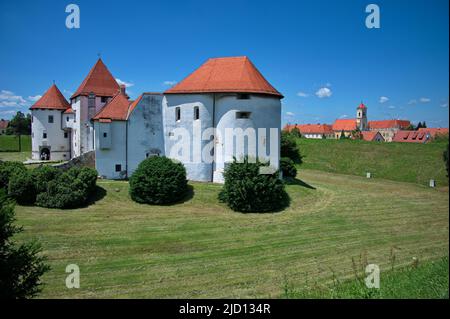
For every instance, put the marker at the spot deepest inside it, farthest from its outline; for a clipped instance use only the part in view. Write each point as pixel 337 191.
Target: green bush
pixel 246 190
pixel 70 189
pixel 158 180
pixel 22 188
pixel 288 167
pixel 289 147
pixel 7 169
pixel 43 175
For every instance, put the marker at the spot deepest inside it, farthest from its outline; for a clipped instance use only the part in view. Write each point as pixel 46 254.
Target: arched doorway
pixel 45 154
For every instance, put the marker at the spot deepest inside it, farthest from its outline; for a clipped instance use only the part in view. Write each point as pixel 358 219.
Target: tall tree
pixel 20 124
pixel 21 266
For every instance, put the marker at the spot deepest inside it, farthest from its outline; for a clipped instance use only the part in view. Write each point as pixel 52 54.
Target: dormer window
pixel 243 115
pixel 50 118
pixel 104 99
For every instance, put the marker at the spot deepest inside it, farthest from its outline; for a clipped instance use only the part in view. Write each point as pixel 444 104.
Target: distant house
pixel 388 128
pixel 422 135
pixel 372 136
pixel 3 126
pixel 316 131
pixel 344 126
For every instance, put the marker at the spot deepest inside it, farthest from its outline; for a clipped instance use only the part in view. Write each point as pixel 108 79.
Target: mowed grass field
pixel 408 162
pixel 200 248
pixel 10 143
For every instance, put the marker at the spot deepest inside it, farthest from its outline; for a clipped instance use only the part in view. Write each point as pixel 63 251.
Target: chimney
pixel 122 89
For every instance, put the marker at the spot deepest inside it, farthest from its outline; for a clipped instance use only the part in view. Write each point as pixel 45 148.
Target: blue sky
pixel 302 48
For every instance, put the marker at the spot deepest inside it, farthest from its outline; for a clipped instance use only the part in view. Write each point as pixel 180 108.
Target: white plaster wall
pixel 145 131
pixel 106 159
pixel 59 145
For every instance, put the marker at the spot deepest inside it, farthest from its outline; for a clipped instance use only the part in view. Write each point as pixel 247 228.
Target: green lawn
pixel 15 156
pixel 199 248
pixel 10 143
pixel 407 162
pixel 426 280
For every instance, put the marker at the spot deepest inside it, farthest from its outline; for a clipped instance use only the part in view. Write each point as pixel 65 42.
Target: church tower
pixel 361 117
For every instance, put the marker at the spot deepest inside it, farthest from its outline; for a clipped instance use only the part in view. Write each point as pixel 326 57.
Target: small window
pixel 177 114
pixel 44 135
pixel 50 118
pixel 67 119
pixel 105 134
pixel 243 96
pixel 104 99
pixel 66 135
pixel 196 113
pixel 118 168
pixel 243 115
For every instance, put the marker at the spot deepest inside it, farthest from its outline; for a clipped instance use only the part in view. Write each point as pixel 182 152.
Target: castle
pixel 223 93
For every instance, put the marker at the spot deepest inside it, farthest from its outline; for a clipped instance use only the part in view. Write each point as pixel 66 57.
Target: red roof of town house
pixel 412 137
pixel 370 135
pixel 4 124
pixel 116 109
pixel 99 81
pixel 52 99
pixel 362 106
pixel 434 131
pixel 218 75
pixel 311 128
pixel 344 125
pixel 386 124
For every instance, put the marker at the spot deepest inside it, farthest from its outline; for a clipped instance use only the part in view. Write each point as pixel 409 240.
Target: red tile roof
pixel 311 128
pixel 116 109
pixel 434 131
pixel 411 137
pixel 362 106
pixel 386 124
pixel 4 124
pixel 218 75
pixel 134 104
pixel 69 111
pixel 99 81
pixel 370 135
pixel 52 99
pixel 344 125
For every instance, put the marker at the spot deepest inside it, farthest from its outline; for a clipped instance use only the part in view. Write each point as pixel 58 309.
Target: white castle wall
pixel 58 145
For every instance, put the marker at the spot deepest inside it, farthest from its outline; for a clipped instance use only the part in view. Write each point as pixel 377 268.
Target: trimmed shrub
pixel 68 190
pixel 158 180
pixel 22 188
pixel 289 147
pixel 7 169
pixel 288 167
pixel 43 175
pixel 246 190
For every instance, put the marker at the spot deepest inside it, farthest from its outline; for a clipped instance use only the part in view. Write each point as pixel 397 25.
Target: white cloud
pixel 391 107
pixel 323 92
pixel 444 105
pixel 411 102
pixel 343 116
pixel 169 83
pixel 127 84
pixel 424 100
pixel 8 112
pixel 290 114
pixel 302 94
pixel 8 98
pixel 383 99
pixel 34 98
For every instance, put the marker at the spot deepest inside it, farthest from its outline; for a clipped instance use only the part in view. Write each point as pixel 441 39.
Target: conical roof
pixel 230 74
pixel 52 99
pixel 99 81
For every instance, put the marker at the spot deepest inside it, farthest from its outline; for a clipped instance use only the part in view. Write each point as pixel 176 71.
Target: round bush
pixel 246 190
pixel 6 171
pixel 43 175
pixel 21 187
pixel 289 147
pixel 158 180
pixel 288 167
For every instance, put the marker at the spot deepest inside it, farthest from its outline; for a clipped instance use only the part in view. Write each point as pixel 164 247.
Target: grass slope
pixel 199 248
pixel 428 280
pixel 15 156
pixel 10 143
pixel 407 162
